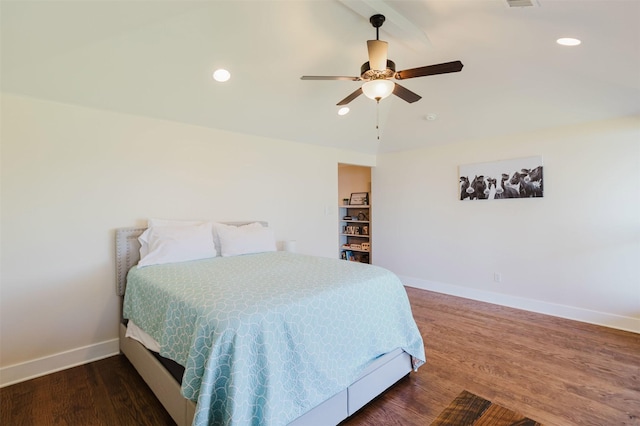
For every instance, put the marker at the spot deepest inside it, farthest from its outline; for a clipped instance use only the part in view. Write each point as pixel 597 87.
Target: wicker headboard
pixel 128 251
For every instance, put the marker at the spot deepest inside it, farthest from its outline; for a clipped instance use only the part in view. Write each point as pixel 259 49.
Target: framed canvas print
pixel 498 180
pixel 359 199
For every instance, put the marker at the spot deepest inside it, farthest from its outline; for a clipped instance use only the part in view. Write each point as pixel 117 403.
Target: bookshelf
pixel 355 233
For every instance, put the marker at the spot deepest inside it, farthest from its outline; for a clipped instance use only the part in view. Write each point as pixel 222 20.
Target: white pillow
pixel 153 222
pixel 246 239
pixel 169 244
pixel 217 226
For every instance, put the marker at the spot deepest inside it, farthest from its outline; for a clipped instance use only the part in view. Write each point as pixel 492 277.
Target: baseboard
pixel 23 371
pixel 556 310
pixel 61 361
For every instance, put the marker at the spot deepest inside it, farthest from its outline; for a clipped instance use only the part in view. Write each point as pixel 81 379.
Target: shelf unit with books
pixel 355 232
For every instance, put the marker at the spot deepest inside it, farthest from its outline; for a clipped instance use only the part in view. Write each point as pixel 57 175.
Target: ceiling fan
pixel 378 72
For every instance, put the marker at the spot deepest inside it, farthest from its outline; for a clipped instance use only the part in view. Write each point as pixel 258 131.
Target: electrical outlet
pixel 497 277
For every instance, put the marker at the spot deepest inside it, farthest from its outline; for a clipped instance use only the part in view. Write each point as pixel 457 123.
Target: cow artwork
pixel 464 186
pixel 517 178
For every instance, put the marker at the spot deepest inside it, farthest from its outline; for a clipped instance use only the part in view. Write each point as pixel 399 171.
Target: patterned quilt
pixel 266 337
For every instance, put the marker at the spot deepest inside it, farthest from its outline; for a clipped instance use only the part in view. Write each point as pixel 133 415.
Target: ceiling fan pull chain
pixel 378 118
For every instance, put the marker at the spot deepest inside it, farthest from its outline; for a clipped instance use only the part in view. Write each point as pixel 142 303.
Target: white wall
pixel 574 253
pixel 71 175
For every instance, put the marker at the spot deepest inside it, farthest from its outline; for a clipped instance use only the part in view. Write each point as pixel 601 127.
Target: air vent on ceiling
pixel 522 3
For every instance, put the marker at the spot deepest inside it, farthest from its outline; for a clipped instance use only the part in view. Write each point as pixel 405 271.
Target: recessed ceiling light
pixel 568 41
pixel 343 111
pixel 221 75
pixel 430 117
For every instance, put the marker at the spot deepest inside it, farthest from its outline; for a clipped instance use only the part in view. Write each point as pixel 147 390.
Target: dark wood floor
pixel 555 371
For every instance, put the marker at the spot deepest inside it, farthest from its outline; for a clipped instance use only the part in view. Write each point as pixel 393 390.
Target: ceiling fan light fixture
pixel 378 89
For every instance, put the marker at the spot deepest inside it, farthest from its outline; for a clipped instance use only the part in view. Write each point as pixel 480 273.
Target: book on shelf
pixel 348 255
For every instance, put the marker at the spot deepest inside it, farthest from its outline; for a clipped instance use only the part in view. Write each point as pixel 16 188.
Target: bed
pixel 303 378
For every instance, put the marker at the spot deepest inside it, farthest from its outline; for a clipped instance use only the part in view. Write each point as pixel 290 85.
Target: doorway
pixel 354 217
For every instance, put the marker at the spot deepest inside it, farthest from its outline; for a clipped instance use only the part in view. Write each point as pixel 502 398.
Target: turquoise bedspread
pixel 266 337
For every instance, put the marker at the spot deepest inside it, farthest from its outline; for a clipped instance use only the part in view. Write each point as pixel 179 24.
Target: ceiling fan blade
pixel 444 68
pixel 406 94
pixel 329 77
pixel 350 97
pixel 377 54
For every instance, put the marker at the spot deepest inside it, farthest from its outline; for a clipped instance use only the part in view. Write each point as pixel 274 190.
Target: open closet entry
pixel 354 213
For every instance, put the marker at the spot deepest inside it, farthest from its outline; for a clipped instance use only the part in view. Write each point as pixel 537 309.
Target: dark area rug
pixel 469 409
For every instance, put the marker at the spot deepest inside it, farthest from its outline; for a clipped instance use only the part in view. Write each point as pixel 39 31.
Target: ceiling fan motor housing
pixel 366 73
pixel 377 20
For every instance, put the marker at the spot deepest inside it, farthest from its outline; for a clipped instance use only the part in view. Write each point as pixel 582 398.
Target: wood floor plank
pixel 103 393
pixel 551 370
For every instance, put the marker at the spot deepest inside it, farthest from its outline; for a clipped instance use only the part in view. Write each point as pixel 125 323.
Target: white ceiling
pixel 155 58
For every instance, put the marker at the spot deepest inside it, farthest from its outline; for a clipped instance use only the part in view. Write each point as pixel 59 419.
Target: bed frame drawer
pixel 372 385
pixel 330 412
